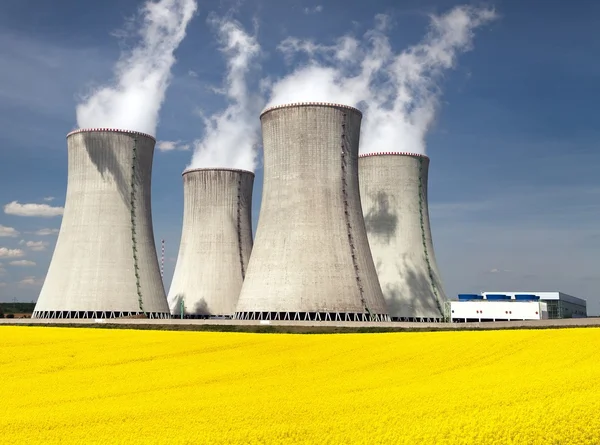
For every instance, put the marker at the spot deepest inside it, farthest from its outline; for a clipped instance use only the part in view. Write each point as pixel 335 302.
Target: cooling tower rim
pixel 308 104
pixel 112 130
pixel 216 169
pixel 393 153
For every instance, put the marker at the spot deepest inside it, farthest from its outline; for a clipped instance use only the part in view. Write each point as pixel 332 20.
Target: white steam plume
pixel 231 136
pixel 398 92
pixel 142 75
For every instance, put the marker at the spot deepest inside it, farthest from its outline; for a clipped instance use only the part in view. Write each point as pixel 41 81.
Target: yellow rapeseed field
pixel 88 386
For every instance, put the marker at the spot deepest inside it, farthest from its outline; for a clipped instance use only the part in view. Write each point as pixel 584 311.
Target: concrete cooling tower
pixel 105 264
pixel 393 190
pixel 311 258
pixel 216 242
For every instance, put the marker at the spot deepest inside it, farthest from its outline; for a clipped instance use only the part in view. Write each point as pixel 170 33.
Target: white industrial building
pixel 560 305
pixel 508 306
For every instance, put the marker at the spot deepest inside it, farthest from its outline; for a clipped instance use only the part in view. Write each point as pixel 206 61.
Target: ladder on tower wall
pixel 133 227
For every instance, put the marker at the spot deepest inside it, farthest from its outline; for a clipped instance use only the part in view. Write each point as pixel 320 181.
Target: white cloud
pixel 37 246
pixel 397 91
pixel 22 263
pixel 31 281
pixel 313 10
pixel 192 73
pixel 11 253
pixel 41 210
pixel 49 198
pixel 46 232
pixel 171 146
pixel 2 284
pixel 143 74
pixel 8 232
pixel 231 136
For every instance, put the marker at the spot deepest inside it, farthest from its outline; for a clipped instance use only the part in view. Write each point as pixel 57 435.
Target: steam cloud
pixel 398 92
pixel 142 75
pixel 231 136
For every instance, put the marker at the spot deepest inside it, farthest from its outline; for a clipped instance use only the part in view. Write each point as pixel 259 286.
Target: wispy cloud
pixel 22 263
pixel 397 90
pixel 143 74
pixel 313 10
pixel 31 281
pixel 40 210
pixel 46 232
pixel 8 232
pixel 36 246
pixel 231 136
pixel 49 198
pixel 172 146
pixel 11 253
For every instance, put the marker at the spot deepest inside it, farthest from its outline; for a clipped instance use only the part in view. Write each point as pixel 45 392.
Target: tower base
pixel 311 316
pixel 98 314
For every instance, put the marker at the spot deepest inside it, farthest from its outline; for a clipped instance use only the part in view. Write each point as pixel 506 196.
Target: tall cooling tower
pixel 216 242
pixel 311 258
pixel 393 190
pixel 104 264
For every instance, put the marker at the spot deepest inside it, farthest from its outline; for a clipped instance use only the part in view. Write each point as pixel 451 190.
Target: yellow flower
pixel 92 386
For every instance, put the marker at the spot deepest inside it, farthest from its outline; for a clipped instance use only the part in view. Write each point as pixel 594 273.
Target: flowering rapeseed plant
pixel 93 386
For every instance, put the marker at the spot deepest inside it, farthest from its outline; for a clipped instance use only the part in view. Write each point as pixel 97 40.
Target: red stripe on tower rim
pixel 111 130
pixel 308 104
pixel 216 169
pixel 393 153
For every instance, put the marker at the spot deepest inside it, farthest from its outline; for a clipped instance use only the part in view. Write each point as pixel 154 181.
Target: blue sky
pixel 514 188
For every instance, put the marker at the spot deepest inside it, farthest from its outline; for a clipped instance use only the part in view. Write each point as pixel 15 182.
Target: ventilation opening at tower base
pixel 418 319
pixel 203 316
pixel 311 316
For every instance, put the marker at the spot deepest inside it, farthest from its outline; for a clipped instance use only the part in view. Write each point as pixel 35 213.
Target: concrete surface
pixel 393 190
pixel 216 241
pixel 311 252
pixel 93 267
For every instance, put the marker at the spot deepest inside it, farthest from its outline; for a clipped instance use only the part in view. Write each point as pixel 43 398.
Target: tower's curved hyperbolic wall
pixel 216 242
pixel 105 264
pixel 311 258
pixel 393 190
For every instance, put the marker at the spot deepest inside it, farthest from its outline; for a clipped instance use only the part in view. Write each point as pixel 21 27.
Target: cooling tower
pixel 393 190
pixel 311 258
pixel 216 242
pixel 104 264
